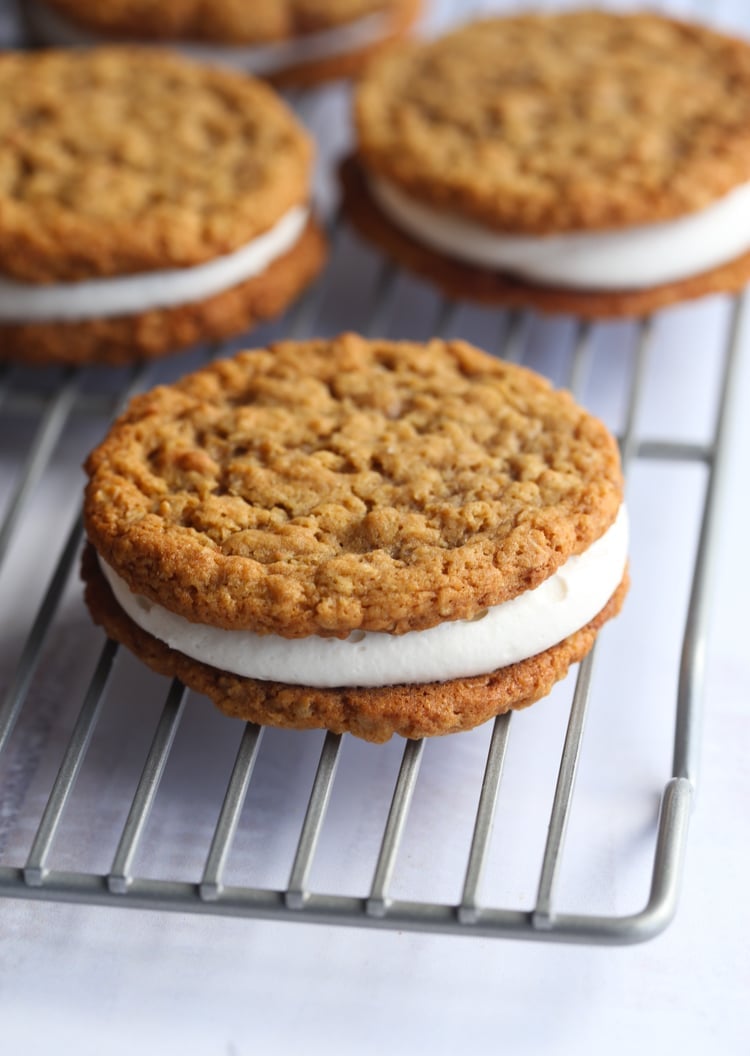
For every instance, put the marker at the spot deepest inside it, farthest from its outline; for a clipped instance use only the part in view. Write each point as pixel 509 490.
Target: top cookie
pixel 224 21
pixel 550 123
pixel 115 161
pixel 327 486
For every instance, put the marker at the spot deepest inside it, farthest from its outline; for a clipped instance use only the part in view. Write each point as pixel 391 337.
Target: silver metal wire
pixel 120 877
pixel 563 796
pixel 80 739
pixel 378 902
pixel 692 665
pixel 51 425
pixel 468 910
pixel 229 818
pixel 297 893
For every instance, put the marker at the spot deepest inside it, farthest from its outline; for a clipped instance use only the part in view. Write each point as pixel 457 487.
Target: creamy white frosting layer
pixel 262 59
pixel 629 258
pixel 503 635
pixel 22 302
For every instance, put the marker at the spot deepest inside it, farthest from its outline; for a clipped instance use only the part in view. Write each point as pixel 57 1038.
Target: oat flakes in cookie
pixel 288 41
pixel 583 162
pixel 363 536
pixel 146 203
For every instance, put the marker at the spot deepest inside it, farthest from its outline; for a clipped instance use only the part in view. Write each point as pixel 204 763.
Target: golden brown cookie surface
pixel 325 486
pixel 549 123
pixel 119 161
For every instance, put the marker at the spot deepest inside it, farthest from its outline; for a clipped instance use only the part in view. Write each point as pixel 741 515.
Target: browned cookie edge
pixel 373 714
pixel 160 331
pixel 466 281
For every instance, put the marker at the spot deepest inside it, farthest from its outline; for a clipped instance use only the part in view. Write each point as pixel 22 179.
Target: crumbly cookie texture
pixel 123 160
pixel 467 281
pixel 226 21
pixel 558 122
pixel 324 486
pixel 160 331
pixel 423 710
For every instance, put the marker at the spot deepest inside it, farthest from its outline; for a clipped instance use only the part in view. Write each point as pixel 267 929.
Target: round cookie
pixel 145 203
pixel 287 41
pixel 338 503
pixel 584 161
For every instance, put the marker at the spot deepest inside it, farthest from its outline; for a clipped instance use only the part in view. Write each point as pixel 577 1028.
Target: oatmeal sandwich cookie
pixel 583 162
pixel 287 41
pixel 146 203
pixel 364 536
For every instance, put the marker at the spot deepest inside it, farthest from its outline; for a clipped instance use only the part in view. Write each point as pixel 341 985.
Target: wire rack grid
pixel 45 418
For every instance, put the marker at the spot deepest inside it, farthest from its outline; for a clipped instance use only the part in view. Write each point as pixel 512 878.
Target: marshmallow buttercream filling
pixel 501 635
pixel 261 59
pixel 22 302
pixel 628 258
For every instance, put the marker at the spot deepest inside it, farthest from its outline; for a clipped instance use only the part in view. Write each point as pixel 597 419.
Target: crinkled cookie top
pixel 122 160
pixel 547 123
pixel 324 486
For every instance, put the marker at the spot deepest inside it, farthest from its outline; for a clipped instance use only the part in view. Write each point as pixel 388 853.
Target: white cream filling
pixel 22 302
pixel 49 27
pixel 507 633
pixel 631 258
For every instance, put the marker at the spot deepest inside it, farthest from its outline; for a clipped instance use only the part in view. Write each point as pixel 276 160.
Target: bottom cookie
pixel 154 333
pixel 373 714
pixel 461 280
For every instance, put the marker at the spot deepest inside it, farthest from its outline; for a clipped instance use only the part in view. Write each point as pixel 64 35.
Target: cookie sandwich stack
pixel 146 203
pixel 583 162
pixel 363 536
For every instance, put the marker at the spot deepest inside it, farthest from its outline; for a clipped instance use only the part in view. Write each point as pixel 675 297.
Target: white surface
pixel 505 634
pixel 626 259
pixel 93 981
pixel 104 298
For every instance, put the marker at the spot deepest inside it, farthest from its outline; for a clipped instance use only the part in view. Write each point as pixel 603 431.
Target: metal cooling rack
pixel 47 408
pixel 50 413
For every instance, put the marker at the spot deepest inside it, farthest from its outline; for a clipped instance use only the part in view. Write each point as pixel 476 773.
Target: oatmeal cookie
pixel 142 197
pixel 578 161
pixel 340 503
